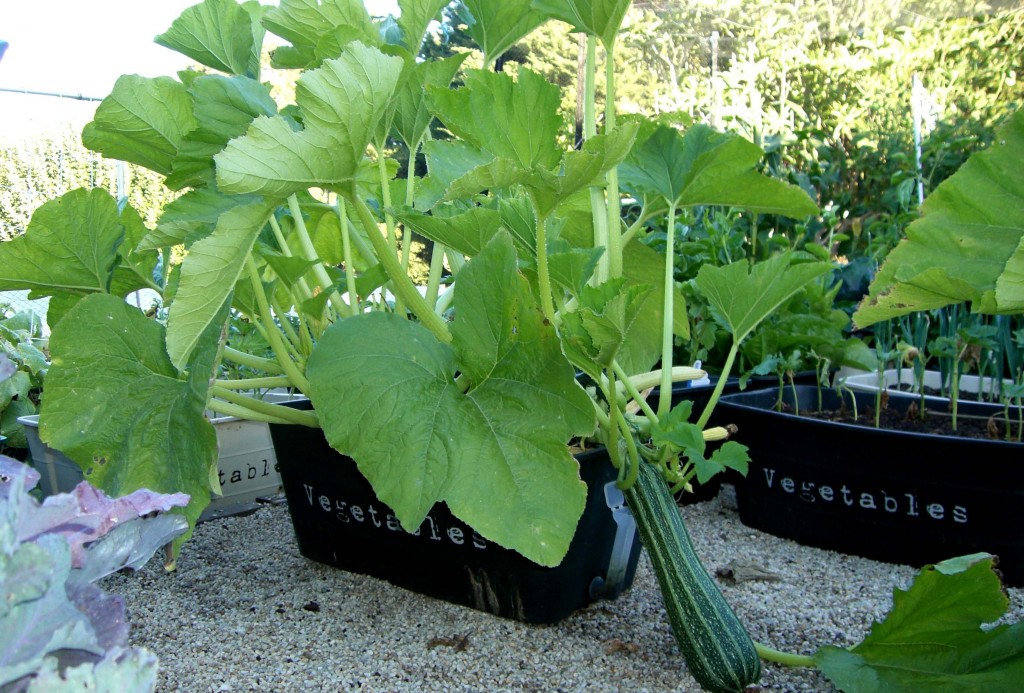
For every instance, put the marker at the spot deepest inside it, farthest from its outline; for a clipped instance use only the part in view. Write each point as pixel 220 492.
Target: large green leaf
pixel 743 294
pixel 143 121
pixel 968 244
pixel 117 406
pixel 935 637
pixel 192 216
pixel 412 112
pixel 523 130
pixel 601 18
pixel 224 108
pixel 493 444
pixel 704 167
pixel 341 103
pixel 219 34
pixel 496 26
pixel 415 18
pixel 208 274
pixel 310 24
pixel 466 233
pixel 71 245
pixel 582 168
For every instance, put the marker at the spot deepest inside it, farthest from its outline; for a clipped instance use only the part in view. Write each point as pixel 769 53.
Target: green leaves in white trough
pixel 220 34
pixel 968 244
pixel 143 121
pixel 934 639
pixel 492 445
pixel 117 406
pixel 341 103
pixel 742 295
pixel 704 167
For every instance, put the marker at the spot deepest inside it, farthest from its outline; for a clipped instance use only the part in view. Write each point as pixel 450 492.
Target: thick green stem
pixel 273 334
pixel 251 409
pixel 255 362
pixel 633 392
pixel 543 273
pixel 720 385
pixel 302 285
pixel 319 271
pixel 613 206
pixel 784 658
pixel 434 277
pixel 665 398
pixel 403 286
pixel 598 203
pixel 253 383
pixel 346 251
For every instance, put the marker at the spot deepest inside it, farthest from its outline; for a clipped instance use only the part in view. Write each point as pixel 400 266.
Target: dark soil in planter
pixel 932 422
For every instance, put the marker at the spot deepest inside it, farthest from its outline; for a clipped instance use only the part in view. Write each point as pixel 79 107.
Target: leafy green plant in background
pixel 23 364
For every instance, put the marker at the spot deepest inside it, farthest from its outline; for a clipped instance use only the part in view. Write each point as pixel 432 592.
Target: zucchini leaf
pixel 968 244
pixel 742 295
pixel 705 167
pixel 496 26
pixel 492 444
pixel 341 103
pixel 601 18
pixel 208 274
pixel 933 638
pixel 117 406
pixel 143 121
pixel 220 34
pixel 70 247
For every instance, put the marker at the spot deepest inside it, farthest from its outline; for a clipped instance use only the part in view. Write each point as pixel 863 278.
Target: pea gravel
pixel 244 611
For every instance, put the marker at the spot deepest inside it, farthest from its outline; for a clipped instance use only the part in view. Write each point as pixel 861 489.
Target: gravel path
pixel 245 612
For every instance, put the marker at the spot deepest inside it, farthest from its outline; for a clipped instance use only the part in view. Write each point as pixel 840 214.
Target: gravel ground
pixel 246 612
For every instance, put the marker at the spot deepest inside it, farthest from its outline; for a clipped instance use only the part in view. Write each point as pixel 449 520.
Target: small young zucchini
pixel 718 650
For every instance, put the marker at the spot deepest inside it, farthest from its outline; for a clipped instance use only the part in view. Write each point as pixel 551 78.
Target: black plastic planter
pixel 340 522
pixel 887 495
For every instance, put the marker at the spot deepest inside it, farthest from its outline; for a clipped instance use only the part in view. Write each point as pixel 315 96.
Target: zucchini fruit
pixel 718 650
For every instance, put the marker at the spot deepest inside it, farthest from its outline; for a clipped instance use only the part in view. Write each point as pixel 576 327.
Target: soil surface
pixel 932 422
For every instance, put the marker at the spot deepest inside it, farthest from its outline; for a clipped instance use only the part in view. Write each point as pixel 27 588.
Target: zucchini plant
pixel 295 218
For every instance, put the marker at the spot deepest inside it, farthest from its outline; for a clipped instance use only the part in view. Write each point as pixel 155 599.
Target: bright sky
pixel 82 47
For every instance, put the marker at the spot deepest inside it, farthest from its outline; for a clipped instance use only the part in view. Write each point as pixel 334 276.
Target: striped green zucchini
pixel 718 650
